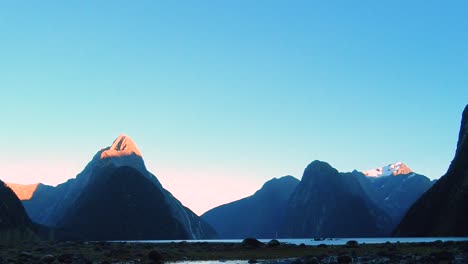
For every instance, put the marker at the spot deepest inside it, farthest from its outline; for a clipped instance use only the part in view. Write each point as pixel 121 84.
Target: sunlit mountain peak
pixel 122 146
pixel 391 169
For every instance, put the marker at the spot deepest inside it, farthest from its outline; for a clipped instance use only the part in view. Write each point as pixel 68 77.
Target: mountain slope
pixel 105 202
pixel 329 204
pixel 14 222
pixel 260 215
pixel 443 209
pixel 393 193
pixel 121 204
pixel 23 191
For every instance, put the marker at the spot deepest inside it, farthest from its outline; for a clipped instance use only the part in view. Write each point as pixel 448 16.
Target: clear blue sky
pixel 241 91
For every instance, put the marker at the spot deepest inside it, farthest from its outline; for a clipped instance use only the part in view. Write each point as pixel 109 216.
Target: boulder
pixel 274 243
pixel 352 244
pixel 155 256
pixel 251 243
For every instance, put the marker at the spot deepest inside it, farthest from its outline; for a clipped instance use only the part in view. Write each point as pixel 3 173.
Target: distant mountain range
pixel 443 209
pixel 393 192
pixel 261 215
pixel 115 198
pixel 111 190
pixel 325 203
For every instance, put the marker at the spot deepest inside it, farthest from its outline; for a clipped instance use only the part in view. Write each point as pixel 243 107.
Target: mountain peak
pixel 23 191
pixel 391 169
pixel 122 146
pixel 318 165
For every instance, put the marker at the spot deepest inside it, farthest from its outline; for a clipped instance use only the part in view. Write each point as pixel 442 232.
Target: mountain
pixel 23 191
pixel 443 209
pixel 260 215
pixel 394 189
pixel 329 204
pixel 115 198
pixel 389 170
pixel 14 222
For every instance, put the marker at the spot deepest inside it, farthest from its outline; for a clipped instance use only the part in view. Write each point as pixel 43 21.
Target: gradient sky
pixel 221 96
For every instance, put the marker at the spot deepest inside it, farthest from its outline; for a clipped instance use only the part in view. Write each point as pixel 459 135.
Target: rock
pixel 252 261
pixel 183 243
pixel 73 258
pixel 329 260
pixel 48 258
pixel 443 257
pixel 311 260
pixel 155 256
pixel 344 259
pixel 352 244
pixel 297 261
pixel 384 253
pixel 392 247
pixel 274 243
pixel 251 243
pixel 65 258
pixel 26 254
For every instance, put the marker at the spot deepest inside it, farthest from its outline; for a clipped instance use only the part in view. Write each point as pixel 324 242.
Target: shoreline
pixel 253 250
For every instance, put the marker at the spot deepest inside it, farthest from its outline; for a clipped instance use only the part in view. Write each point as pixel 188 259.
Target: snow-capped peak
pixel 122 146
pixel 391 169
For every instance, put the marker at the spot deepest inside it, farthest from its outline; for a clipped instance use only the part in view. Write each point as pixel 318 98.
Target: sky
pixel 221 96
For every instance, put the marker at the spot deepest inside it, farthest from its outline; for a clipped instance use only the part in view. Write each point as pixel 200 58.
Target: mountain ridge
pixel 52 206
pixel 329 204
pixel 393 169
pixel 260 215
pixel 442 210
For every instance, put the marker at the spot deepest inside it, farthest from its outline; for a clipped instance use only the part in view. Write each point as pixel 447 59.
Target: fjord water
pixel 266 261
pixel 312 242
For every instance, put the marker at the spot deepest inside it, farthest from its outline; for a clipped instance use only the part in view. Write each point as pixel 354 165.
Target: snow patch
pixel 389 170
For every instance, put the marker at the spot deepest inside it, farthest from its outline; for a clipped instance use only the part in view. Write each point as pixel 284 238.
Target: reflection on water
pixel 312 242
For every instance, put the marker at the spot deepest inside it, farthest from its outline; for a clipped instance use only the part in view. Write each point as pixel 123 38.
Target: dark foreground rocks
pixel 251 251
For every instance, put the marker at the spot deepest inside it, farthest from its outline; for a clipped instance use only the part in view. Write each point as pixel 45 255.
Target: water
pixel 269 261
pixel 312 242
pixel 308 241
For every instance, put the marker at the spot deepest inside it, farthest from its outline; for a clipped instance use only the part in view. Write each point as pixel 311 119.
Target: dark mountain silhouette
pixel 122 204
pixel 443 209
pixel 329 204
pixel 115 197
pixel 14 222
pixel 393 194
pixel 23 191
pixel 39 204
pixel 261 215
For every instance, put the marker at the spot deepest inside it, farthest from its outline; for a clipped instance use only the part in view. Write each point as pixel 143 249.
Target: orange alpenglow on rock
pixel 122 146
pixel 396 169
pixel 24 192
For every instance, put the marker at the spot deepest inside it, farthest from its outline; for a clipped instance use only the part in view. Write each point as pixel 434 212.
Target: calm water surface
pixel 312 242
pixel 280 261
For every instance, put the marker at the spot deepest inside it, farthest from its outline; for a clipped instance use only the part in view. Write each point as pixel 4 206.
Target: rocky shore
pixel 251 251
